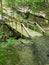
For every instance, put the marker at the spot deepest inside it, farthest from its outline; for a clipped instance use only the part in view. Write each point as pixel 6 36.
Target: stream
pixel 25 51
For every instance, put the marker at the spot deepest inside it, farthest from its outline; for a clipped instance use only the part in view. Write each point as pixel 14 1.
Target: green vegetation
pixel 26 1
pixel 16 49
pixel 8 54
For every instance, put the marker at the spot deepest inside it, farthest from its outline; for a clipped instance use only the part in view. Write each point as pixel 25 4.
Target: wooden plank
pixel 40 27
pixel 26 31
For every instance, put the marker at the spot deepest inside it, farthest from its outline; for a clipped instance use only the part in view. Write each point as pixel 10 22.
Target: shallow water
pixel 25 52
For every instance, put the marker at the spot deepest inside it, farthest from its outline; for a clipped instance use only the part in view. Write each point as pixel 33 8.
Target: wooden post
pixel 16 25
pixel 34 26
pixel 27 24
pixel 21 30
pixel 26 30
pixel 40 27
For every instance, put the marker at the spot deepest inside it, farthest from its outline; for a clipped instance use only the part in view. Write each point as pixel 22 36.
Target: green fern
pixel 10 40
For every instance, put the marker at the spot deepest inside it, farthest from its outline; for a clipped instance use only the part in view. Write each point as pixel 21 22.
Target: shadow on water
pixel 40 49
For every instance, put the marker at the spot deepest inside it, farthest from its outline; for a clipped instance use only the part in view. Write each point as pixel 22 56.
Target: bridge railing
pixel 11 19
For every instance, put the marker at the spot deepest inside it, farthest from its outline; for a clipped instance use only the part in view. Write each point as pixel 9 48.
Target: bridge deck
pixel 23 30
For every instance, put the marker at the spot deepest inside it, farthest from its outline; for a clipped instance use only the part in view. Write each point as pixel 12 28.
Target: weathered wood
pixel 26 31
pixel 40 27
pixel 39 15
pixel 17 25
pixel 47 29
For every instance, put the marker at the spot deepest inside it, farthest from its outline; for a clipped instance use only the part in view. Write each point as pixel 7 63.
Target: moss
pixel 9 55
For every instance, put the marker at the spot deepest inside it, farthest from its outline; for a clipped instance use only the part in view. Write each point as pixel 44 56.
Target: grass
pixel 8 53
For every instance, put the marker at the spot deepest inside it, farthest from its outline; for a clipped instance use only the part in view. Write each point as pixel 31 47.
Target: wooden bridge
pixel 20 26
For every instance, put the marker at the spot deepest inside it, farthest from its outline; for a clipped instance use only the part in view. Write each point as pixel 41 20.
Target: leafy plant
pixel 10 40
pixel 1 33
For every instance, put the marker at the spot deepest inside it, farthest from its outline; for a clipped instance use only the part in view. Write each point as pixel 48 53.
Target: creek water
pixel 30 52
